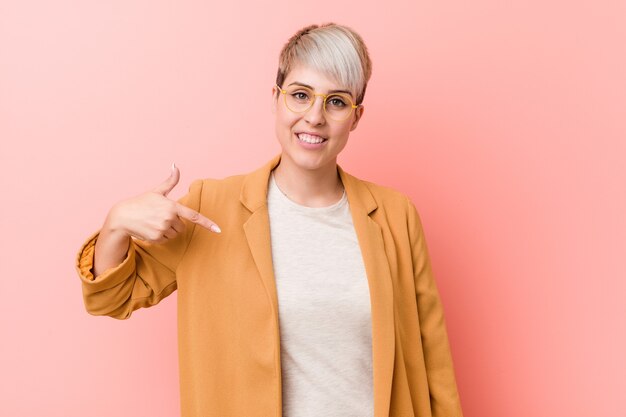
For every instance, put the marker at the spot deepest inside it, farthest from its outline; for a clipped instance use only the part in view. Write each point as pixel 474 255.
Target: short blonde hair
pixel 335 50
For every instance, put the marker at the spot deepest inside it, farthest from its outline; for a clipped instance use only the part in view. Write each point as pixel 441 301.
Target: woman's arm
pixel 137 275
pixel 111 247
pixel 444 397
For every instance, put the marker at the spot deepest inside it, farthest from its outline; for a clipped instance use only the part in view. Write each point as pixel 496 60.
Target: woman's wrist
pixel 113 226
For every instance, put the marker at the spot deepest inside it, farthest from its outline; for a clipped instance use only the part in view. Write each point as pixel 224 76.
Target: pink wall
pixel 503 120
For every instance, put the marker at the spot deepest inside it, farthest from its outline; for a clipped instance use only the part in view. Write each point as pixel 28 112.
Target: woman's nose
pixel 315 114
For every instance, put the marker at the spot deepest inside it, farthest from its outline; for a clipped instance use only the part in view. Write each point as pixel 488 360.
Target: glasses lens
pixel 298 99
pixel 338 106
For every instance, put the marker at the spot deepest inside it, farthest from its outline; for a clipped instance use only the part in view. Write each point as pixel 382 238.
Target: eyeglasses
pixel 337 106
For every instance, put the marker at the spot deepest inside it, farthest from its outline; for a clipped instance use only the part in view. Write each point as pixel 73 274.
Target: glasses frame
pixel 325 97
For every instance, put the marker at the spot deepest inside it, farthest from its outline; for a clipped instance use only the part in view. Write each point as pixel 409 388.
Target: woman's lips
pixel 308 145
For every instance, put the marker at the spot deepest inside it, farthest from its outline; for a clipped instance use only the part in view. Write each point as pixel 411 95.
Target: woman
pixel 302 290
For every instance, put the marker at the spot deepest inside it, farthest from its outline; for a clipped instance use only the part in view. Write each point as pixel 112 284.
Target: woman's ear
pixel 358 112
pixel 274 101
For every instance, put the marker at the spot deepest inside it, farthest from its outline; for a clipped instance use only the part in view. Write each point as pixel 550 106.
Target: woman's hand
pixel 152 217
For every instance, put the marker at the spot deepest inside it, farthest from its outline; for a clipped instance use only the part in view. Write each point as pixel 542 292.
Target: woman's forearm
pixel 111 247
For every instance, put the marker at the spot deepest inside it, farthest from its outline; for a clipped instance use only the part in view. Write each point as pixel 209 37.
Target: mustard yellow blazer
pixel 228 334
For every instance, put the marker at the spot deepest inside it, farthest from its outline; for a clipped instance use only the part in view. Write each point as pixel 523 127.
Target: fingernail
pixel 215 228
pixel 173 165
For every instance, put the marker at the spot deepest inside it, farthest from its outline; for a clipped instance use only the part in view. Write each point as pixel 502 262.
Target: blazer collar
pixel 370 236
pixel 254 190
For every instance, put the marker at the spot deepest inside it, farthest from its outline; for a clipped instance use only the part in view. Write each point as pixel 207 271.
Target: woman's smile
pixel 310 141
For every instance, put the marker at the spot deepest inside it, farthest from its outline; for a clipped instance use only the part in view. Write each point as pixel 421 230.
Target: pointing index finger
pixel 195 217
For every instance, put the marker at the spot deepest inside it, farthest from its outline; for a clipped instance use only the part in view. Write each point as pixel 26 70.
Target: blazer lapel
pixel 370 237
pixel 257 230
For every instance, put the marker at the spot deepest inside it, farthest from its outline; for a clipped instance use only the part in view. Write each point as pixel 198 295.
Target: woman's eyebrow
pixel 330 92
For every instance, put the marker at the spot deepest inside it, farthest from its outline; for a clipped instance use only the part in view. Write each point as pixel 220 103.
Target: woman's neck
pixel 312 188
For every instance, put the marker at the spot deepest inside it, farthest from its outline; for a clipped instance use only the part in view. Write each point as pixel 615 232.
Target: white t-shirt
pixel 324 309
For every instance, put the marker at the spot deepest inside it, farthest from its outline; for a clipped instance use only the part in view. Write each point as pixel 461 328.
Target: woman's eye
pixel 336 102
pixel 300 95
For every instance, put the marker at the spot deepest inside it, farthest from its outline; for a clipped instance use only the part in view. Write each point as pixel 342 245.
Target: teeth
pixel 309 138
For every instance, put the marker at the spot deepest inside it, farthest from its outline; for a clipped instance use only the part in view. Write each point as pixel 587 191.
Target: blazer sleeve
pixel 444 397
pixel 145 276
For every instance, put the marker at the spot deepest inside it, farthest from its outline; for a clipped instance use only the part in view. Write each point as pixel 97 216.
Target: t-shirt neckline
pixel 338 204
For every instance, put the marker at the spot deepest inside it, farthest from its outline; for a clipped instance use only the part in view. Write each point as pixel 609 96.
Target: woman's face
pixel 314 121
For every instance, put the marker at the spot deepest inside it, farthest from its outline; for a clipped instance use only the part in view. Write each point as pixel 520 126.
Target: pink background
pixel 503 120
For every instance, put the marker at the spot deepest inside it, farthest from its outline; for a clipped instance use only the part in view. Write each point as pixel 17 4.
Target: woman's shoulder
pixel 394 207
pixel 215 192
pixel 386 195
pixel 225 183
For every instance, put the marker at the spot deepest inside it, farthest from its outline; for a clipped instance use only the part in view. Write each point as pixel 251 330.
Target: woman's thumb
pixel 166 186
